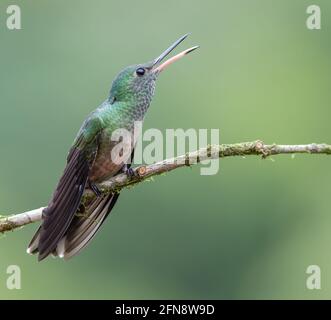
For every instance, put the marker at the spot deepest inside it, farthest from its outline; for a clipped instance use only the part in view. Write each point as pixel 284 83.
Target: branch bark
pixel 120 181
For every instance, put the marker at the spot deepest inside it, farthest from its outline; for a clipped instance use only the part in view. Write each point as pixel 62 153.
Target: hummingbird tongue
pixel 173 59
pixel 168 50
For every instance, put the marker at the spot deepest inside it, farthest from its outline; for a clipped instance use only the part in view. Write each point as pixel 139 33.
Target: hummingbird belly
pixel 110 159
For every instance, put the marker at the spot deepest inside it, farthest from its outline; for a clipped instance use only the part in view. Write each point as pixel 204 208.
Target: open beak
pixel 161 67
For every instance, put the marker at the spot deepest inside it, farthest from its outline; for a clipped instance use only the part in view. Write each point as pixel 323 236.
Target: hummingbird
pixel 68 224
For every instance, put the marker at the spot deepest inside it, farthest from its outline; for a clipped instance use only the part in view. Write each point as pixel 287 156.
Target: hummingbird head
pixel 137 83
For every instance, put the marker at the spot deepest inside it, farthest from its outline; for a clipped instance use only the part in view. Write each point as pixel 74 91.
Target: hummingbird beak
pixel 173 59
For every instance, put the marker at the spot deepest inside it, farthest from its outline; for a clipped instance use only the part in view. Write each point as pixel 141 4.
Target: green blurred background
pixel 248 232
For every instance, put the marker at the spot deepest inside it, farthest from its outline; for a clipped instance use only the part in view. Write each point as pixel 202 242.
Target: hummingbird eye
pixel 140 72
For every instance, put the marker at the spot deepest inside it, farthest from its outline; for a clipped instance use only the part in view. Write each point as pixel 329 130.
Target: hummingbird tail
pixel 81 230
pixel 33 245
pixel 85 225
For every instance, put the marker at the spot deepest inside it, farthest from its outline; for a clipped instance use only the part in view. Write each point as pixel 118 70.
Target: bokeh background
pixel 248 232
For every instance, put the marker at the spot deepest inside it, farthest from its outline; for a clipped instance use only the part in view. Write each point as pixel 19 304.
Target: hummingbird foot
pixel 95 189
pixel 129 172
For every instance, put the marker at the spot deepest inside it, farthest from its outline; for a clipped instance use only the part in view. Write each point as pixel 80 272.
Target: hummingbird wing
pixel 84 226
pixel 61 210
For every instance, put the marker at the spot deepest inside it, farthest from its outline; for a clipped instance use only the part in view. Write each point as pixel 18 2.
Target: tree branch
pixel 115 184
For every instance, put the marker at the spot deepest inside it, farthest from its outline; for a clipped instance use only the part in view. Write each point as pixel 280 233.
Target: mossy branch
pixel 115 184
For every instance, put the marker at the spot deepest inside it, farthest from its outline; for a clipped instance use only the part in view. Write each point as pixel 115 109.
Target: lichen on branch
pixel 144 172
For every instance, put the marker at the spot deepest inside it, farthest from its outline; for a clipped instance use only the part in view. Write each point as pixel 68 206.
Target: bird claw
pixel 130 173
pixel 95 189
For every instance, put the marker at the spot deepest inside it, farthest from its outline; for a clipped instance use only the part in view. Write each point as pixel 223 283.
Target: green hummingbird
pixel 91 160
